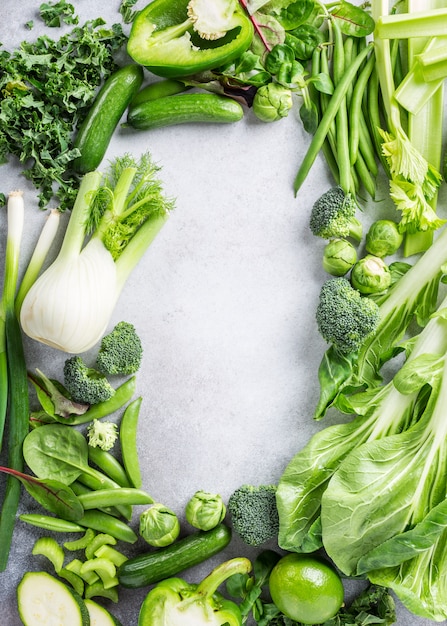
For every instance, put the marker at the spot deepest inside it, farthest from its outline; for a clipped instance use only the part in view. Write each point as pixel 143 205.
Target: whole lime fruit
pixel 306 588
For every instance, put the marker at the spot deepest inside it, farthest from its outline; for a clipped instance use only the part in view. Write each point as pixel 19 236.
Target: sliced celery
pixel 426 23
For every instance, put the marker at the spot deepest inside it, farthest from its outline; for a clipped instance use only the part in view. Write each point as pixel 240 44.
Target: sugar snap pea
pixel 109 465
pixel 128 441
pixel 114 497
pixel 47 522
pixel 121 397
pixel 104 523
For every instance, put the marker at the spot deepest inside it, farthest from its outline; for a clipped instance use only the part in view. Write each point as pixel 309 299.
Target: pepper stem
pixel 210 584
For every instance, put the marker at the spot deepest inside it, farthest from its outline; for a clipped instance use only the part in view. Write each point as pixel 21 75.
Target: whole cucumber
pixel 152 567
pixel 109 106
pixel 184 109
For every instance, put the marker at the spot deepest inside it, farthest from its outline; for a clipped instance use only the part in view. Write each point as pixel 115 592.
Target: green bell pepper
pixel 175 602
pixel 174 38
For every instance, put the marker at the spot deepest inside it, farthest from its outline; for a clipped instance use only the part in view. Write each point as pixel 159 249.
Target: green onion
pixel 17 380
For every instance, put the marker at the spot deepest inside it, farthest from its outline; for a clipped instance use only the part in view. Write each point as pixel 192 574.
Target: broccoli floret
pixel 102 434
pixel 84 383
pixel 333 215
pixel 345 318
pixel 253 512
pixel 120 351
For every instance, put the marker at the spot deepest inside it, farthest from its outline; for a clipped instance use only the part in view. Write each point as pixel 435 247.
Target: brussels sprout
pixel 159 526
pixel 383 238
pixel 371 275
pixel 339 256
pixel 272 102
pixel 205 510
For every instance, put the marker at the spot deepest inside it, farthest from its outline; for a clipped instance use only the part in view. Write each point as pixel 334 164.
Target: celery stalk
pixel 422 23
pixel 415 90
pixel 425 126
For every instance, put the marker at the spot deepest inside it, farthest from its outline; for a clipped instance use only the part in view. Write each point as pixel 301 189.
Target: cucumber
pixel 95 132
pixel 184 109
pixel 99 616
pixel 152 567
pixel 43 600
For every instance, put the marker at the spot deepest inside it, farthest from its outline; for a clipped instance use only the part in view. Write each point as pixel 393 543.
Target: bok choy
pixel 113 221
pixel 383 512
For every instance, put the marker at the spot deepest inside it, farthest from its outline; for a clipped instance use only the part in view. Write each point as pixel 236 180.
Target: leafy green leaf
pixel 56 450
pixel 53 495
pixel 354 21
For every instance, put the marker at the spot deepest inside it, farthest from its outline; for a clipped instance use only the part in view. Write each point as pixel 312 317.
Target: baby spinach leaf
pixel 353 20
pixel 53 495
pixel 56 451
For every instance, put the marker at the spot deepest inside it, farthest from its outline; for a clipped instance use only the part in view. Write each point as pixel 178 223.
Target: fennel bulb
pixel 52 316
pixel 113 222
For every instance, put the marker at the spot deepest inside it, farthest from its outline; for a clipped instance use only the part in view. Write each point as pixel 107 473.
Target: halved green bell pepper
pixel 166 38
pixel 175 602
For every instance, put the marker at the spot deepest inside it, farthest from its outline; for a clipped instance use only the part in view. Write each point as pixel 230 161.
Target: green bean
pixel 355 107
pixel 121 397
pixel 114 497
pixel 328 117
pixel 128 440
pixel 324 100
pixel 47 522
pixel 109 465
pixel 374 117
pixel 104 523
pixel 315 96
pixel 366 146
pixel 341 118
pixel 365 176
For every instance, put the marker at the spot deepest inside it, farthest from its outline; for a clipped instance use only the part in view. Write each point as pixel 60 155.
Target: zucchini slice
pixel 44 600
pixel 99 616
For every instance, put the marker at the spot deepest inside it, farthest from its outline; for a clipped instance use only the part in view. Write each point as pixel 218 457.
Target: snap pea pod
pixel 109 465
pixel 104 523
pixel 121 397
pixel 47 522
pixel 128 440
pixel 184 109
pixel 114 497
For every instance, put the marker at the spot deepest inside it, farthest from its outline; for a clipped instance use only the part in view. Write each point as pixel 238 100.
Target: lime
pixel 305 588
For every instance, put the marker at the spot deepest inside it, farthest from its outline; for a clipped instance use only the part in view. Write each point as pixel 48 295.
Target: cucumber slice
pixel 99 616
pixel 44 600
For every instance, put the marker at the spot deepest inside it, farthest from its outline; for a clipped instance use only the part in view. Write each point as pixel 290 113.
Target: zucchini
pixel 95 132
pixel 152 567
pixel 99 616
pixel 183 109
pixel 43 600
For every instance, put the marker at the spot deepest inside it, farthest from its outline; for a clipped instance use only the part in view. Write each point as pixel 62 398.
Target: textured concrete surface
pixel 224 302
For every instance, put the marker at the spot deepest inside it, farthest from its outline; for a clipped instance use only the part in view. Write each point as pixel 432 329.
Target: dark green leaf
pixel 309 117
pixel 353 20
pixel 56 450
pixel 53 495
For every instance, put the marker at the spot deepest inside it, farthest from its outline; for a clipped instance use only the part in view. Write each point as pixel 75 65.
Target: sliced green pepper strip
pixel 163 39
